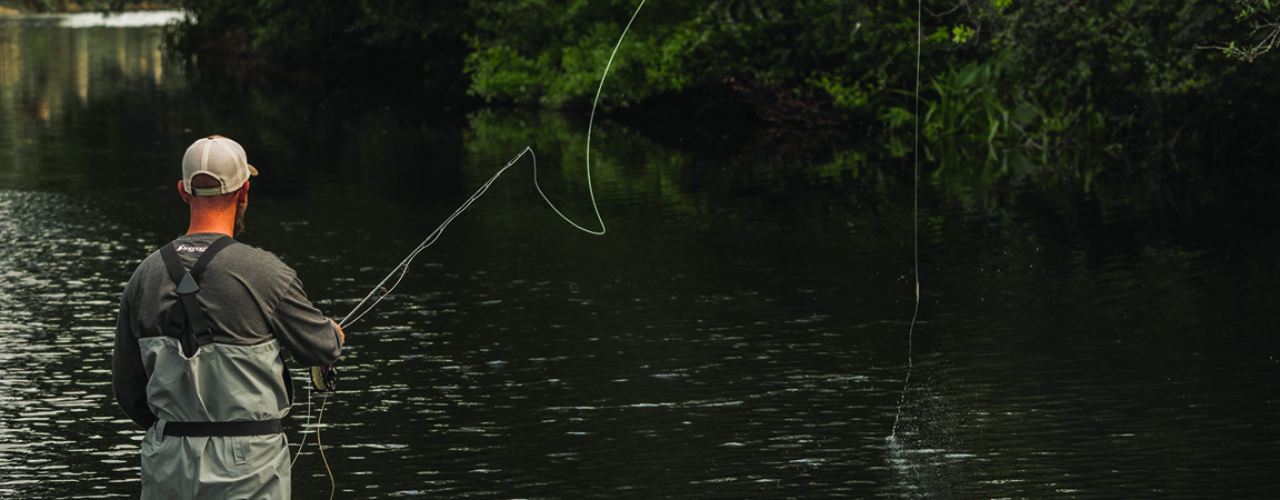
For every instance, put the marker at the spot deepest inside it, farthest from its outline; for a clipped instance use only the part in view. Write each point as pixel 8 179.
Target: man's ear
pixel 183 191
pixel 243 194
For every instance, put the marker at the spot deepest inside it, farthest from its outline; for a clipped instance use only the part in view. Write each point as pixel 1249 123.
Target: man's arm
pixel 128 376
pixel 311 338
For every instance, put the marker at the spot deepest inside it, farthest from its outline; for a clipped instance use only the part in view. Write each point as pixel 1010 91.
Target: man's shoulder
pixel 253 259
pixel 248 251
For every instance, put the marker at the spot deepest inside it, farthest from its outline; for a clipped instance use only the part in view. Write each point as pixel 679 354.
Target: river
pixel 743 329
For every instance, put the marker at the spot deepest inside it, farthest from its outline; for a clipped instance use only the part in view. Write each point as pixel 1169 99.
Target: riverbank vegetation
pixel 1006 88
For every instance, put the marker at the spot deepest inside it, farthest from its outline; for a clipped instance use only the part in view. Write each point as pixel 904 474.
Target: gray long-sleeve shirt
pixel 249 297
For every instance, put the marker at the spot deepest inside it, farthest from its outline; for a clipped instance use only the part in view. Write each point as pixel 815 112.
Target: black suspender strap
pixel 197 326
pixel 203 261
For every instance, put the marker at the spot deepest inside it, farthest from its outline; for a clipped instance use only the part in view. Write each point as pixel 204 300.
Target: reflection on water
pixel 740 332
pixel 133 19
pixel 54 67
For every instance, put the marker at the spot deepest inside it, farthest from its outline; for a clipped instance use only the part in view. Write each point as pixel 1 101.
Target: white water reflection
pixel 82 20
pixel 51 75
pixel 58 287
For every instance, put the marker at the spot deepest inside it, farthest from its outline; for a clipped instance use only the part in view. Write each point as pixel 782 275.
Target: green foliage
pixel 961 34
pixel 1250 8
pixel 845 95
pixel 1131 48
pixel 1007 87
pixel 1264 22
pixel 527 51
pixel 1057 80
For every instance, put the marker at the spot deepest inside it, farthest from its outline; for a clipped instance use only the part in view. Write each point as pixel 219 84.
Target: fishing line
pixel 381 290
pixel 303 442
pixel 915 224
pixel 333 485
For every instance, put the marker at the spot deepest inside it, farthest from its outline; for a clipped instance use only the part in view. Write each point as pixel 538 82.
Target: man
pixel 197 360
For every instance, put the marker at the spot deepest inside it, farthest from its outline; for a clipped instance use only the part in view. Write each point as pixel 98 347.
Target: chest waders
pixel 187 323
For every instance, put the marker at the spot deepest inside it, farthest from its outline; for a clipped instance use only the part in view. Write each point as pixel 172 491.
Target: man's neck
pixel 202 229
pixel 212 222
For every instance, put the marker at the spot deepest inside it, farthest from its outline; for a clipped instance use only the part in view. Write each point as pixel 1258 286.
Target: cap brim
pixel 252 171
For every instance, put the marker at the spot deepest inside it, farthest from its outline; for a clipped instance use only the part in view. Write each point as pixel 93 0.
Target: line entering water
pixel 915 226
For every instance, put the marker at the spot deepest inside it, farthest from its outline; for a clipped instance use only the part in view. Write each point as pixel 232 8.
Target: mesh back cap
pixel 218 157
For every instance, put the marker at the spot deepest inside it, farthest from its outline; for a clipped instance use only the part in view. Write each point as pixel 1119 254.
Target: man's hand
pixel 342 337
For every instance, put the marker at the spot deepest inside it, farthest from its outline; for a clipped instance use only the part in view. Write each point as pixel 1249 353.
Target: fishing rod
pixel 397 274
pixel 381 291
pixel 324 378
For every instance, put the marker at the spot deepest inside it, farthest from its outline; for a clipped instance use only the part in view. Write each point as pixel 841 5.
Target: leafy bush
pixel 1027 81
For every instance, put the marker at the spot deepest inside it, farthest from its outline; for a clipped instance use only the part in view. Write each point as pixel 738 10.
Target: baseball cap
pixel 220 158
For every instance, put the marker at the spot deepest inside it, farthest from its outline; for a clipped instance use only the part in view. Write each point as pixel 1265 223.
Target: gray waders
pixel 219 405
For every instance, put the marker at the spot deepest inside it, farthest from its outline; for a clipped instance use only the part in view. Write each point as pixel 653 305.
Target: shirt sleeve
pixel 128 376
pixel 308 335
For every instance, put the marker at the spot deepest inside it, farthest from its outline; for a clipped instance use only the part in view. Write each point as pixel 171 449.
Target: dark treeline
pixel 1012 85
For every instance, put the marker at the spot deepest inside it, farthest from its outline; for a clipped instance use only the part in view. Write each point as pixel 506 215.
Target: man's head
pixel 215 182
pixel 219 158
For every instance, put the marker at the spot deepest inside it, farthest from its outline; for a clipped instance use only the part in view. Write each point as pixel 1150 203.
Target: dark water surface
pixel 741 331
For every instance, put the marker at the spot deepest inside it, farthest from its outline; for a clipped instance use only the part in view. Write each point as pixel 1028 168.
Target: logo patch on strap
pixel 183 247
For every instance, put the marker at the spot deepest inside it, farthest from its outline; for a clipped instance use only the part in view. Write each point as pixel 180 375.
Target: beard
pixel 239 224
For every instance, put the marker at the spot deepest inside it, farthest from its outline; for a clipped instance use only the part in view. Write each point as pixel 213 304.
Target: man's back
pixel 195 407
pixel 249 296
